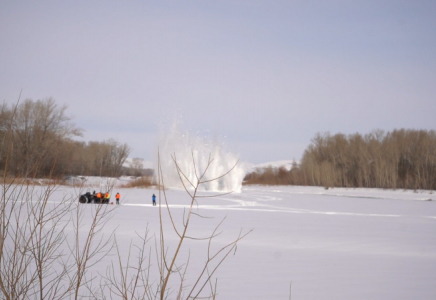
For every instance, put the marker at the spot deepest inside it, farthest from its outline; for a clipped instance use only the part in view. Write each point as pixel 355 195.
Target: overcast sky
pixel 263 77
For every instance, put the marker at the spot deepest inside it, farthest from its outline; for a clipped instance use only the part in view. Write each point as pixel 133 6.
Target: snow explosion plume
pixel 193 154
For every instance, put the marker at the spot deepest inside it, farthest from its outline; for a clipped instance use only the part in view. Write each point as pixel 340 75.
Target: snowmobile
pixel 87 198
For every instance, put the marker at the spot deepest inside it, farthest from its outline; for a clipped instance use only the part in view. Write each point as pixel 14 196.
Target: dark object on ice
pixel 87 198
pixel 82 199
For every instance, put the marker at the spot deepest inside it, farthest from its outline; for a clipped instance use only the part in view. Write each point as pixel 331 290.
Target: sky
pixel 261 77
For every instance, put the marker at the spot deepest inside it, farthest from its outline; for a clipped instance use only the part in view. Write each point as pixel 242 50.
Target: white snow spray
pixel 193 154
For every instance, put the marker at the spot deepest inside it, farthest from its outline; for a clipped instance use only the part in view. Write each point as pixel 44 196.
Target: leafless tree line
pixel 402 158
pixel 37 141
pixel 276 176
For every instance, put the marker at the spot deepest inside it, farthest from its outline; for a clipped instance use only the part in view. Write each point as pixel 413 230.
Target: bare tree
pixel 90 249
pixel 168 265
pixel 105 158
pixel 137 165
pixel 132 279
pixel 35 129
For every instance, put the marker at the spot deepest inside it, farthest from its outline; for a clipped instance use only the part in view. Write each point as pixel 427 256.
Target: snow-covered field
pixel 315 243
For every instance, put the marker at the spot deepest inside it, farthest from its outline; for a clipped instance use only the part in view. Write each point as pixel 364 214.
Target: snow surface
pixel 326 244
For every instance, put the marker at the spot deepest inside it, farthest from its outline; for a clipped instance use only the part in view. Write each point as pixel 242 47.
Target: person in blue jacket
pixel 154 199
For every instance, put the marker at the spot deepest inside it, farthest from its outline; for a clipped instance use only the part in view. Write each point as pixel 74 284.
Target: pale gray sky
pixel 262 76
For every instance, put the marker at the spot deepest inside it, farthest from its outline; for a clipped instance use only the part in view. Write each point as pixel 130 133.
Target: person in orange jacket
pixel 117 197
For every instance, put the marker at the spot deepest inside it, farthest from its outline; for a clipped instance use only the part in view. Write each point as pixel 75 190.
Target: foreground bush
pixel 48 247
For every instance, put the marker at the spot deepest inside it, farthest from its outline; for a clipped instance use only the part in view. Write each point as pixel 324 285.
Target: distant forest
pixel 401 159
pixel 37 141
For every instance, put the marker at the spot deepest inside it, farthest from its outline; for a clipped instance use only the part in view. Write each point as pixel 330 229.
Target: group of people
pixel 105 198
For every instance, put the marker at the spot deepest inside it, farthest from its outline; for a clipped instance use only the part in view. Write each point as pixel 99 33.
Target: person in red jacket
pixel 99 197
pixel 117 197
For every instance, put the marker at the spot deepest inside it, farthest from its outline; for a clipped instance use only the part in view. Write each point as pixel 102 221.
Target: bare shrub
pixel 133 280
pixel 34 262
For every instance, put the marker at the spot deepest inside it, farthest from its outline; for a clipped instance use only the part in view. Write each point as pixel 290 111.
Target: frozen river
pixel 310 242
pixel 307 242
